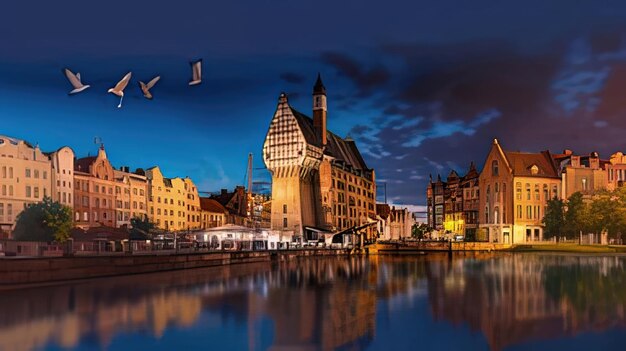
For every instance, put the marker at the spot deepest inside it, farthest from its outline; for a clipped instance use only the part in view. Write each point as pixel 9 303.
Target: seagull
pixel 119 88
pixel 196 72
pixel 75 81
pixel 145 88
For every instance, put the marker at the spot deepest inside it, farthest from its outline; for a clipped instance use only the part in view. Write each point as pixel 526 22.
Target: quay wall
pixel 40 270
pixel 382 248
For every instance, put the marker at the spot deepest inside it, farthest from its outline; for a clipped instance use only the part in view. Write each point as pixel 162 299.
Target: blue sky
pixel 422 86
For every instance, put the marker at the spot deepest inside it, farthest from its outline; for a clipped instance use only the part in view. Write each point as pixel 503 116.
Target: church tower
pixel 320 110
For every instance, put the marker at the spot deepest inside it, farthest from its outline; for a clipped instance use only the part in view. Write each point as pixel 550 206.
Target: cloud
pixel 365 79
pixel 293 78
pixel 452 101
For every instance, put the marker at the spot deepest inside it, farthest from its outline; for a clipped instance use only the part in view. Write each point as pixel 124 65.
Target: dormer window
pixel 534 170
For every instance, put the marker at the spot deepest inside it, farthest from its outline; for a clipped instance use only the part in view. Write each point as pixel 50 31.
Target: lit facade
pixel 584 174
pixel 131 196
pixel 174 204
pixel 212 213
pixel 616 171
pixel 62 162
pixel 25 178
pixel 319 180
pixel 94 186
pixel 514 190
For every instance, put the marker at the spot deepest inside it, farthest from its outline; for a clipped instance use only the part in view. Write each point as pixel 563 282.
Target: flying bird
pixel 119 88
pixel 75 81
pixel 145 88
pixel 196 72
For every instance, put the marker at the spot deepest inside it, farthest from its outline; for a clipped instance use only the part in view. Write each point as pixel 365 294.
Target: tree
pixel 608 213
pixel 554 218
pixel 574 216
pixel 44 221
pixel 141 228
pixel 419 230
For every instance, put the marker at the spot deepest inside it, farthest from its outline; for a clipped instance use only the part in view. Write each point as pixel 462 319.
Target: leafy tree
pixel 608 213
pixel 574 216
pixel 141 228
pixel 554 218
pixel 44 221
pixel 419 230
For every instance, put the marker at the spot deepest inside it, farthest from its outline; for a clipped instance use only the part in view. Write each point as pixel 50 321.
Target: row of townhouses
pixel 101 195
pixel 507 200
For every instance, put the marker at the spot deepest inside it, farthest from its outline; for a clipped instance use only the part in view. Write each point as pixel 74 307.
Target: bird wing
pixel 73 79
pixel 197 70
pixel 152 82
pixel 123 83
pixel 143 86
pixel 78 76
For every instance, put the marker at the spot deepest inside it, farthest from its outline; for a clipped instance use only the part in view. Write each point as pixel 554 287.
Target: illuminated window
pixel 284 222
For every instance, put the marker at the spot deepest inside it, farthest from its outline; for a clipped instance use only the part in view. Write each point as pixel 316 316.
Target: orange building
pixel 94 197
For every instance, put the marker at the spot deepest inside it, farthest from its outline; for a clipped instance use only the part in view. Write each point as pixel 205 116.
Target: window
pixel 4 171
pixel 487 214
pixel 546 196
pixel 518 191
pixel 11 172
pixel 1 210
pixel 85 216
pixel 77 216
pixel 45 174
pixel 519 211
pixel 27 172
pixel 584 180
pixel 10 190
pixel 529 212
pixel 36 192
pixel 28 191
pixel 494 168
pixel 36 174
pixel 527 191
pixel 537 192
pixel 284 222
pixel 4 190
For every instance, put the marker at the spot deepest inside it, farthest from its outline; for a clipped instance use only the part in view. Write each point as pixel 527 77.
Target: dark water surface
pixel 474 302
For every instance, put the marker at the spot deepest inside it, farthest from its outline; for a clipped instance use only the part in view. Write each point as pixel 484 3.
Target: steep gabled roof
pixel 522 162
pixel 337 147
pixel 83 164
pixel 211 205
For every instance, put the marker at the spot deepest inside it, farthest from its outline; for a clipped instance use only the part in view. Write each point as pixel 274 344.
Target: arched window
pixel 496 217
pixel 494 168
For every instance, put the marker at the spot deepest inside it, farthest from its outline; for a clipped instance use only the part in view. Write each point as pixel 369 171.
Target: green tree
pixel 141 228
pixel 574 216
pixel 419 230
pixel 554 218
pixel 608 213
pixel 44 221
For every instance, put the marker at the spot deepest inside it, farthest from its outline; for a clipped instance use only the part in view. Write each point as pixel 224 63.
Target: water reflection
pixel 326 304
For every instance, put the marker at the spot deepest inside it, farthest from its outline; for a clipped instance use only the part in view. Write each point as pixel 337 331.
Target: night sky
pixel 423 86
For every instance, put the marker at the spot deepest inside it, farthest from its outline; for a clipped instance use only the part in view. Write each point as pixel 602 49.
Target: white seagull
pixel 196 72
pixel 119 88
pixel 145 88
pixel 75 81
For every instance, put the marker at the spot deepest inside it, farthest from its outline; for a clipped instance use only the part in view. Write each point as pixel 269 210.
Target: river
pixel 432 302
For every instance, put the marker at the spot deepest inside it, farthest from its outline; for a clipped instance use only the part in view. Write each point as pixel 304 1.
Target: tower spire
pixel 319 110
pixel 319 87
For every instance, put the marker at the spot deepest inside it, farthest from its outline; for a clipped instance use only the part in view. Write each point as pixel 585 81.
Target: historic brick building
pixel 94 197
pixel 514 190
pixel 320 181
pixel 452 206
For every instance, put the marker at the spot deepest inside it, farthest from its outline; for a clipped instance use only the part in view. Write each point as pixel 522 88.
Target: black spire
pixel 319 87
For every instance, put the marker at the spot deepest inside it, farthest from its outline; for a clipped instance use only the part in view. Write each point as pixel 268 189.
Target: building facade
pixel 174 204
pixel 212 213
pixel 62 162
pixel 94 186
pixel 452 205
pixel 320 181
pixel 131 196
pixel 25 178
pixel 616 171
pixel 585 174
pixel 514 190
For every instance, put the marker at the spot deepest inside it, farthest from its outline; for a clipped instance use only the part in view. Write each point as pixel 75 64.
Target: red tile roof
pixel 522 162
pixel 211 205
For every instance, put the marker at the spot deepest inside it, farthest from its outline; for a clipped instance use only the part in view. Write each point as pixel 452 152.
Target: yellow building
pixel 174 204
pixel 585 174
pixel 212 214
pixel 514 190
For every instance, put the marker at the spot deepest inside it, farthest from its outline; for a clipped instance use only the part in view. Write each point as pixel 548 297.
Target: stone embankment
pixel 16 271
